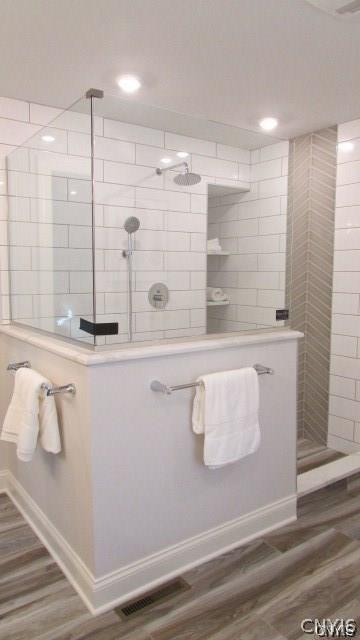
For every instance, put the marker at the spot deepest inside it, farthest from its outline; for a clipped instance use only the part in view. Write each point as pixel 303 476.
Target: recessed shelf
pixel 220 303
pixel 218 253
pixel 236 189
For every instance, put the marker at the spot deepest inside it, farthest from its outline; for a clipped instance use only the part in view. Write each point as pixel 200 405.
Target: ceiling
pixel 231 61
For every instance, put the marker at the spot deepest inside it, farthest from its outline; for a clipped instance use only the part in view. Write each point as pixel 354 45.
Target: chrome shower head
pixel 131 224
pixel 185 179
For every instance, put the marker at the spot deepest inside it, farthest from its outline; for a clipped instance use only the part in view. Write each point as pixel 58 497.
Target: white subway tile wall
pixel 252 228
pixel 344 410
pixel 49 214
pixel 50 231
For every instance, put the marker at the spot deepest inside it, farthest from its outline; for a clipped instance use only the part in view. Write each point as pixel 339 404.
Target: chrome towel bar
pixel 53 391
pixel 14 366
pixel 50 391
pixel 155 385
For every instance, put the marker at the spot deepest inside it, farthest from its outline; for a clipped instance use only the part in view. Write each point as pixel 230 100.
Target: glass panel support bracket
pixel 94 93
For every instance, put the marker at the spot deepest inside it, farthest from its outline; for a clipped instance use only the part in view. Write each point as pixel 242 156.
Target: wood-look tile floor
pixel 311 455
pixel 260 591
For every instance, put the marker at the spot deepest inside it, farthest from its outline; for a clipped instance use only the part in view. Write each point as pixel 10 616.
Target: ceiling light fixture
pixel 182 154
pixel 268 124
pixel 73 193
pixel 346 146
pixel 165 160
pixel 129 83
pixel 47 138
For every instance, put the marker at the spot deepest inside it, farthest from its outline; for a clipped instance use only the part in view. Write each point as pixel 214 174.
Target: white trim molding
pixel 103 593
pixel 63 554
pixel 87 357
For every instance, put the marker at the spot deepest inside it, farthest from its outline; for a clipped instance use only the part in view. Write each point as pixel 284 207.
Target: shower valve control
pixel 158 295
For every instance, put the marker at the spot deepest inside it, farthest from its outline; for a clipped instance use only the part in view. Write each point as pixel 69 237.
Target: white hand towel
pixel 226 408
pixel 31 414
pixel 215 294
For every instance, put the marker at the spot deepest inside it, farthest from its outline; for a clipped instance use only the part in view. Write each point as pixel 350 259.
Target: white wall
pixel 344 411
pixel 252 227
pixel 129 502
pixel 145 454
pixel 60 485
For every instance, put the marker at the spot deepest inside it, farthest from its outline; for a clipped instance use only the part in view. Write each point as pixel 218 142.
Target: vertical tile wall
pixel 252 228
pixel 344 412
pixel 309 272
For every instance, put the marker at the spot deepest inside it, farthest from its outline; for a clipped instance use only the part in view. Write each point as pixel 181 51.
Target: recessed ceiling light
pixel 268 124
pixel 182 154
pixel 73 193
pixel 346 146
pixel 48 138
pixel 129 83
pixel 165 160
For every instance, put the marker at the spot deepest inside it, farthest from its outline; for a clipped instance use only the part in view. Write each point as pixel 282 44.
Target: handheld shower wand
pixel 131 225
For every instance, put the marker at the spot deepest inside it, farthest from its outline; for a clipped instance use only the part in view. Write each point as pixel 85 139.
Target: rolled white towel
pixel 213 241
pixel 215 294
pixel 213 245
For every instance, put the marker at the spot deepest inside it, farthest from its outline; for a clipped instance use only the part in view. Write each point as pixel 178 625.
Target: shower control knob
pixel 158 295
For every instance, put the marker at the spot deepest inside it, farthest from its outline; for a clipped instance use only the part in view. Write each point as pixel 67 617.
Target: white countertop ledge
pixel 138 351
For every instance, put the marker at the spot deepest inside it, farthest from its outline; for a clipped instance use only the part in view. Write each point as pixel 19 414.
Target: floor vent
pixel 152 598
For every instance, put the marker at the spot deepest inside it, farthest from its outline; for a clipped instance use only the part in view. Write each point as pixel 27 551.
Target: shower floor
pixel 311 455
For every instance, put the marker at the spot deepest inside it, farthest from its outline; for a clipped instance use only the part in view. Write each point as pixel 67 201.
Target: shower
pixel 185 179
pixel 131 225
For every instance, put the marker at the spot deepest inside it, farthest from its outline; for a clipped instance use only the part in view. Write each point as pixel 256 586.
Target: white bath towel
pixel 215 294
pixel 31 414
pixel 226 411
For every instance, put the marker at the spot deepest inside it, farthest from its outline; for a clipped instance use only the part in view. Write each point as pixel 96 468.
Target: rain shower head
pixel 131 224
pixel 185 179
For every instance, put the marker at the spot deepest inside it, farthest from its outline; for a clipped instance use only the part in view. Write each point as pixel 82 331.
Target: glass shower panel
pixel 50 224
pixel 125 220
pixel 156 219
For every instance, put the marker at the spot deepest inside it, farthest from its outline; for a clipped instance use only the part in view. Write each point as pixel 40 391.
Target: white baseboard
pixel 149 572
pixel 69 562
pixel 105 592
